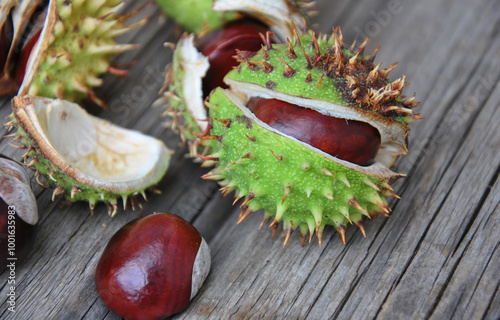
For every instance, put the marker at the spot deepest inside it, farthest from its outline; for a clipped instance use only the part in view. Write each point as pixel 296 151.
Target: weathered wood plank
pixel 359 285
pixel 436 257
pixel 441 248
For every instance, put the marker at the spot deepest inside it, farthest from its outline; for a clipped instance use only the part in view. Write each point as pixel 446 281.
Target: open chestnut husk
pixel 49 48
pixel 269 145
pixel 152 267
pixel 18 213
pixel 200 63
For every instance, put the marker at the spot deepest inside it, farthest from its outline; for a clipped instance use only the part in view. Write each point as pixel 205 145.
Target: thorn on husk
pixel 291 52
pixel 57 191
pixel 288 70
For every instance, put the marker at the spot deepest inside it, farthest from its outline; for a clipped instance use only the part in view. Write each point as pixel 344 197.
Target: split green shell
pixel 75 49
pixel 182 93
pixel 295 183
pixel 184 96
pixel 83 157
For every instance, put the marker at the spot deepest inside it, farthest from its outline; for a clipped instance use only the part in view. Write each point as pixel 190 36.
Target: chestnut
pixel 18 38
pixel 5 36
pixel 25 54
pixel 349 140
pixel 152 267
pixel 220 46
pixel 18 213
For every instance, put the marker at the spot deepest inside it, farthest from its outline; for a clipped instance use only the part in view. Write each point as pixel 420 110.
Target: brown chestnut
pixel 18 213
pixel 24 56
pixel 152 267
pixel 220 46
pixel 350 140
pixel 5 39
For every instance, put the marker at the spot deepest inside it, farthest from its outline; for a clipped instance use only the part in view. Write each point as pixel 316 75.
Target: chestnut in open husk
pixel 200 63
pixel 349 140
pixel 220 45
pixel 152 267
pixel 263 144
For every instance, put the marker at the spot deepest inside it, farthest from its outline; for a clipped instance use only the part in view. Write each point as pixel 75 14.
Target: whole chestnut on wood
pixel 350 140
pixel 152 267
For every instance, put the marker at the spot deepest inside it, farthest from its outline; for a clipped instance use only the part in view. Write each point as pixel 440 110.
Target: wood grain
pixel 436 257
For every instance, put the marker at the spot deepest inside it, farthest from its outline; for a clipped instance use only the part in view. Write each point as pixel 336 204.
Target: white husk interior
pixel 239 95
pixel 100 151
pixel 195 66
pixel 274 13
pixel 201 268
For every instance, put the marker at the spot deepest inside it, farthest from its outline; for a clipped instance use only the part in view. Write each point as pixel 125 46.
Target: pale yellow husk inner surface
pixel 96 148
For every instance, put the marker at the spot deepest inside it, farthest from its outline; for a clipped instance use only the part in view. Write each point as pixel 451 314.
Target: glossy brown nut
pixel 24 56
pixel 353 141
pixel 150 268
pixel 220 46
pixel 4 46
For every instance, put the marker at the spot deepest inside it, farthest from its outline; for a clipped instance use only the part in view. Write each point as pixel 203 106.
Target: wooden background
pixel 436 257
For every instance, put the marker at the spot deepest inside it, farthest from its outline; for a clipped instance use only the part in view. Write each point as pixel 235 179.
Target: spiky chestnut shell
pixel 74 49
pixel 84 157
pixel 183 92
pixel 292 181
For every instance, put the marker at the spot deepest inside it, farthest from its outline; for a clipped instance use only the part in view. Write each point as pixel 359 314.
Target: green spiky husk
pixel 174 98
pixel 321 69
pixel 79 49
pixel 294 184
pixel 183 120
pixel 71 189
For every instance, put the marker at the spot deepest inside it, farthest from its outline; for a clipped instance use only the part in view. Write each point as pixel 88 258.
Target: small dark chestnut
pixel 152 267
pixel 350 140
pixel 220 46
pixel 5 36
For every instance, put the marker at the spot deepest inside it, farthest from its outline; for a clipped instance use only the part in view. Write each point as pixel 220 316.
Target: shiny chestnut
pixel 152 267
pixel 350 140
pixel 220 46
pixel 24 56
